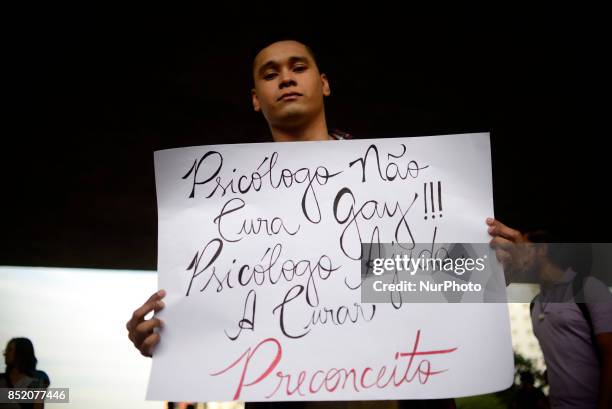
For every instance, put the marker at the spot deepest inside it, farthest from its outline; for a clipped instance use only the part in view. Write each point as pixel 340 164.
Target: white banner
pixel 259 252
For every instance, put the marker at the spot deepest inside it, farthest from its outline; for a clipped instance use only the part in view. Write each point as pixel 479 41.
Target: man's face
pixel 9 353
pixel 289 89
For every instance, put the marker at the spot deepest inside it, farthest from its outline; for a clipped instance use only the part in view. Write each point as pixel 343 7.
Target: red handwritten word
pixel 333 379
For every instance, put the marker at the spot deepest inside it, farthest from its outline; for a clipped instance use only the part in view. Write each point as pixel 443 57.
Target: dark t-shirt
pixel 27 382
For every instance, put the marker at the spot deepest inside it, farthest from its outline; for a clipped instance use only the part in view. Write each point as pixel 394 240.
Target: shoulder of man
pixel 43 377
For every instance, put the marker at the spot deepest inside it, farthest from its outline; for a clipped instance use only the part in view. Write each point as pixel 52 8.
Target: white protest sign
pixel 259 252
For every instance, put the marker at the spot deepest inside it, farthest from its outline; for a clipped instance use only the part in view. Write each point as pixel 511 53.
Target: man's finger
pixel 140 313
pixel 497 228
pixel 148 325
pixel 501 243
pixel 149 344
pixel 153 303
pixel 144 329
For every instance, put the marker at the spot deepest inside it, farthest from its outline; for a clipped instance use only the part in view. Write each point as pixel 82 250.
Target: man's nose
pixel 287 79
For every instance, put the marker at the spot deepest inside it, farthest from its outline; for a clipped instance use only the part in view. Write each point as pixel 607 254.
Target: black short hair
pixel 25 360
pixel 578 256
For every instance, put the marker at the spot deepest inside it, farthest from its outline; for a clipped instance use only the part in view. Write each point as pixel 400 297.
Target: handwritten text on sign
pixel 260 249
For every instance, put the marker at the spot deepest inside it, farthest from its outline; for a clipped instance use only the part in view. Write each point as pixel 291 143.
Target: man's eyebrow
pixel 268 64
pixel 292 60
pixel 296 59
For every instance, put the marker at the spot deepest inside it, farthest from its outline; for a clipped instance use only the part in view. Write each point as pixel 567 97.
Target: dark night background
pixel 90 97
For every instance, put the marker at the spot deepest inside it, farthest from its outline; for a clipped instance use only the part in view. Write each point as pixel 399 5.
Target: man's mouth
pixel 289 96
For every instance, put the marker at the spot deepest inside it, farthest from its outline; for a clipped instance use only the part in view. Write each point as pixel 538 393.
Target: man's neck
pixel 312 131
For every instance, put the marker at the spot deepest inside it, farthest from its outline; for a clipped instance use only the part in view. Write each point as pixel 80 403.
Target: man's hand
pixel 512 249
pixel 140 331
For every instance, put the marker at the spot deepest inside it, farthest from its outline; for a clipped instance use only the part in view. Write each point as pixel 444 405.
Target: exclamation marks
pixel 425 198
pixel 440 197
pixel 432 199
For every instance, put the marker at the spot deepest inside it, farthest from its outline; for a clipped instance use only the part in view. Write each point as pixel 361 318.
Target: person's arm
pixel 604 342
pixel 141 331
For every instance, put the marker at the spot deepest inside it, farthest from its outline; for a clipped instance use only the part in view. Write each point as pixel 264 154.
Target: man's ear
pixel 255 101
pixel 325 84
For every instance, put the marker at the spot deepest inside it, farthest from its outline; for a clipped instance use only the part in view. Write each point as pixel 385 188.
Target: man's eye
pixel 270 76
pixel 300 68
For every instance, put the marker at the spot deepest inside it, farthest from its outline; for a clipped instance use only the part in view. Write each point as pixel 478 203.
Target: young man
pixel 289 92
pixel 571 317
